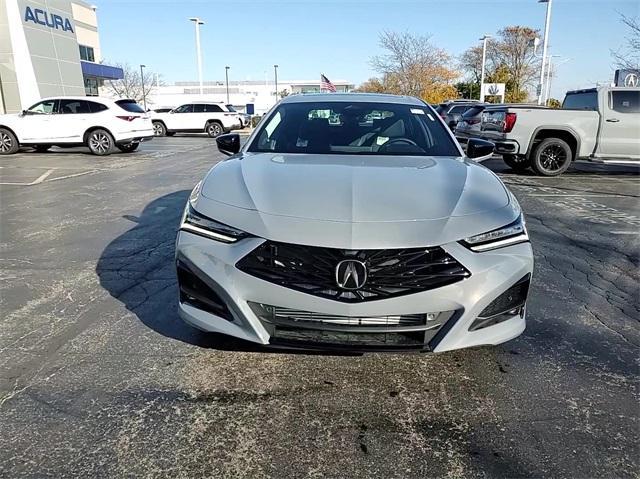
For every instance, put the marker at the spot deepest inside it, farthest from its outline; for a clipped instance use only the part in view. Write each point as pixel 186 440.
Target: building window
pixel 86 54
pixel 91 86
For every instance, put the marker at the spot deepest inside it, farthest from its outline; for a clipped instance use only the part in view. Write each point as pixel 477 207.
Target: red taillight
pixel 126 118
pixel 509 121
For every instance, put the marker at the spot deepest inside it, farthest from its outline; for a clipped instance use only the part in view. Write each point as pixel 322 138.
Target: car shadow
pixel 577 169
pixel 138 269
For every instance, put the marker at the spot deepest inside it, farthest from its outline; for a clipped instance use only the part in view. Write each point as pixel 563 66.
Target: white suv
pixel 98 123
pixel 197 117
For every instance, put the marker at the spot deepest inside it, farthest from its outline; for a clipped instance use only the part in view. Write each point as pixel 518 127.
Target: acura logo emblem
pixel 631 80
pixel 351 274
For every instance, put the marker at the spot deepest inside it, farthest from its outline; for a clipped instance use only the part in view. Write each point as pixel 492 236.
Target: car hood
pixel 339 200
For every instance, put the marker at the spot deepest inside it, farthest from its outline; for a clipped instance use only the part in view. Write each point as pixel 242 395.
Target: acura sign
pixel 628 78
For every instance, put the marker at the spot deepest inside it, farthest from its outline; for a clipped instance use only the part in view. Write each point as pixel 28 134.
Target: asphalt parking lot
pixel 99 377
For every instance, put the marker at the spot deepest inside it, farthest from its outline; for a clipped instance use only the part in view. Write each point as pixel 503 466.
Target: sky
pixel 338 38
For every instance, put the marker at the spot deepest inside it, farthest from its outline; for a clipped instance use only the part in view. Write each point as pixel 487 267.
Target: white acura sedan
pixel 354 221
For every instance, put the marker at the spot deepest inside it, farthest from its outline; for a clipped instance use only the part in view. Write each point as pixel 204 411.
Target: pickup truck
pixel 598 124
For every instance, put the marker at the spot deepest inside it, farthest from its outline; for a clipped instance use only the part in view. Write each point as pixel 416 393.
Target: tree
pixel 512 51
pixel 470 62
pixel 628 56
pixel 130 86
pixel 412 66
pixel 553 103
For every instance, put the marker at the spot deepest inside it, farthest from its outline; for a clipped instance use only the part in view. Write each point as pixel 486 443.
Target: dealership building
pixel 49 48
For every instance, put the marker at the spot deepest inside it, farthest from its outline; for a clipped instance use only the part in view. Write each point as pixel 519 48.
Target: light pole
pixel 547 23
pixel 275 74
pixel 144 97
pixel 484 56
pixel 550 68
pixel 197 23
pixel 226 75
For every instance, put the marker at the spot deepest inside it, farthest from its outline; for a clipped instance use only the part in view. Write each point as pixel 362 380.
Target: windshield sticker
pixel 417 111
pixel 381 140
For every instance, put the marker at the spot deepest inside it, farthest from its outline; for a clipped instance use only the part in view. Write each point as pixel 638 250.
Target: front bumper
pixel 492 273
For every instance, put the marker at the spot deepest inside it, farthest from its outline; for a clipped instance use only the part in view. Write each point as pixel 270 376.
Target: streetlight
pixel 550 68
pixel 484 56
pixel 197 23
pixel 226 74
pixel 547 23
pixel 275 73
pixel 144 97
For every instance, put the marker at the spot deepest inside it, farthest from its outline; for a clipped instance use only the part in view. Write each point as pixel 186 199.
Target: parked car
pixel 596 124
pixel 98 123
pixel 196 117
pixel 245 119
pixel 469 124
pixel 451 111
pixel 355 233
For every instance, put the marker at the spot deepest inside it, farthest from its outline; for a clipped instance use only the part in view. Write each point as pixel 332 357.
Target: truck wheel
pixel 552 157
pixel 517 163
pixel 8 142
pixel 214 129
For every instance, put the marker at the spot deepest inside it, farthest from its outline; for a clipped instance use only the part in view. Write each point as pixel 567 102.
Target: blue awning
pixel 99 70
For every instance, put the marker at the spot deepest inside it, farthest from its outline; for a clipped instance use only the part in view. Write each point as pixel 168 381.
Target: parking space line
pixel 38 180
pixel 625 232
pixel 73 175
pixel 602 195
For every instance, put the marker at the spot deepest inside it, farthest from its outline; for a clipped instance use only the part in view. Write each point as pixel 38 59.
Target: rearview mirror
pixel 228 144
pixel 479 150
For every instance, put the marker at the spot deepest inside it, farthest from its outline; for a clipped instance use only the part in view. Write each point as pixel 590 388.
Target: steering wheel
pixel 405 141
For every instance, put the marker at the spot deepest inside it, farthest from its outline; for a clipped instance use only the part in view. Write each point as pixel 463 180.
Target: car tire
pixel 159 129
pixel 551 157
pixel 100 142
pixel 517 163
pixel 214 129
pixel 41 148
pixel 128 147
pixel 8 142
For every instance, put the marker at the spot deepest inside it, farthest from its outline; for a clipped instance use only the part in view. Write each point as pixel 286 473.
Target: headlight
pixel 194 222
pixel 511 234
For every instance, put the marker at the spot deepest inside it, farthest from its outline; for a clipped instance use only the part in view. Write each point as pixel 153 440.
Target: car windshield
pixel 354 128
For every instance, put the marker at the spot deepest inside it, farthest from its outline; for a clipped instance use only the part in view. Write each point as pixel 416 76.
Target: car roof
pixel 204 102
pixel 86 98
pixel 353 97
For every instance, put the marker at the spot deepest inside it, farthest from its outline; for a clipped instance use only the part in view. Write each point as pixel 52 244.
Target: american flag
pixel 325 84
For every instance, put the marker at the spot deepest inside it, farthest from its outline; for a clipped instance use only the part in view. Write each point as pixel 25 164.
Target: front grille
pixel 390 272
pixel 321 329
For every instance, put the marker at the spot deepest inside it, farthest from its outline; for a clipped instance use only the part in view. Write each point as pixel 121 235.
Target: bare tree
pixel 414 66
pixel 628 56
pixel 512 49
pixel 130 86
pixel 470 62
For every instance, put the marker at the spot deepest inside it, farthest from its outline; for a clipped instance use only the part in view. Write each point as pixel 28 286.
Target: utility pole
pixel 144 96
pixel 197 23
pixel 547 24
pixel 226 75
pixel 275 74
pixel 484 56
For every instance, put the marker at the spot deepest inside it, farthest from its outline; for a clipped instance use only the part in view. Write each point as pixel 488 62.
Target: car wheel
pixel 214 129
pixel 517 163
pixel 552 157
pixel 8 142
pixel 128 147
pixel 41 148
pixel 159 129
pixel 100 142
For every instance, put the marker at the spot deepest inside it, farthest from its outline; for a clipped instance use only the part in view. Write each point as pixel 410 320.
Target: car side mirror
pixel 479 150
pixel 228 144
pixel 24 113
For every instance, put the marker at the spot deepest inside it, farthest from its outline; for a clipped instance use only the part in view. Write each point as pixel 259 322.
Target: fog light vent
pixel 506 306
